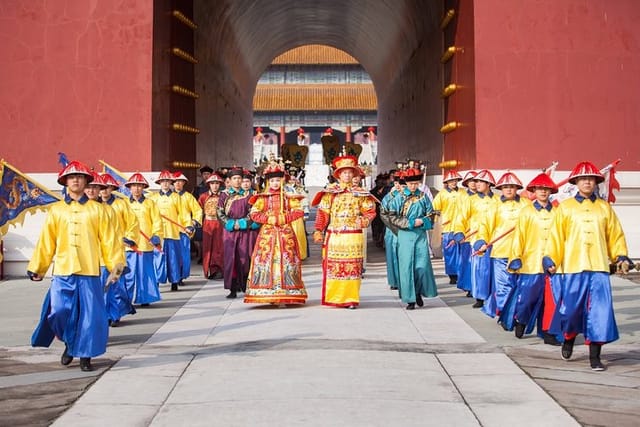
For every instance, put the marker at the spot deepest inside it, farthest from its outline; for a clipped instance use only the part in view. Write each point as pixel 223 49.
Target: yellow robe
pixel 448 203
pixel 74 237
pixel 190 210
pixel 501 217
pixel 169 207
pixel 530 238
pixel 149 222
pixel 585 236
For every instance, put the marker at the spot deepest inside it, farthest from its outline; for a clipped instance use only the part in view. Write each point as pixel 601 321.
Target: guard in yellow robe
pixel 76 233
pixel 446 204
pixel 167 262
pixel 530 236
pixel 142 283
pixel 496 231
pixel 118 300
pixel 585 238
pixel 190 220
pixel 343 211
pixel 466 227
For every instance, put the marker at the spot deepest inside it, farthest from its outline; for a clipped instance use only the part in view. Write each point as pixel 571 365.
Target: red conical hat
pixel 137 178
pixel 585 169
pixel 468 177
pixel 97 180
pixel 509 178
pixel 214 178
pixel 543 180
pixel 179 176
pixel 165 175
pixel 74 168
pixel 451 175
pixel 486 176
pixel 109 180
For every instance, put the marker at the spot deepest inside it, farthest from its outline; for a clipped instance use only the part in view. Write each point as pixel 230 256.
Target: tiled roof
pixel 314 54
pixel 324 97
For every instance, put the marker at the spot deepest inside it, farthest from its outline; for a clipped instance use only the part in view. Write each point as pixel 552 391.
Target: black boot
pixel 174 287
pixel 594 357
pixel 419 300
pixel 85 364
pixel 453 279
pixel 411 306
pixel 469 294
pixel 519 330
pixel 550 339
pixel 478 304
pixel 232 294
pixel 567 348
pixel 65 359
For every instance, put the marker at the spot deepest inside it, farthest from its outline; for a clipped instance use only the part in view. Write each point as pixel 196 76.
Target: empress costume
pixel 275 275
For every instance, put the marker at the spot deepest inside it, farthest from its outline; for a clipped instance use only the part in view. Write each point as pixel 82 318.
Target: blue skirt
pixel 586 307
pixel 481 275
pixel 185 256
pixel 141 282
pixel 464 266
pixel 74 311
pixel 451 255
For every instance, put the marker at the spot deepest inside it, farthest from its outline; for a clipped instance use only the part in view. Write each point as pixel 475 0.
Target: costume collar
pixel 233 191
pixel 82 200
pixel 517 199
pixel 469 192
pixel 539 207
pixel 132 199
pixel 482 195
pixel 580 198
pixel 180 193
pixel 407 192
pixel 168 193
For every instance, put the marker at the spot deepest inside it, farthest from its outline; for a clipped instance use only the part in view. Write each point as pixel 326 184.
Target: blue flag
pixel 118 176
pixel 20 194
pixel 62 159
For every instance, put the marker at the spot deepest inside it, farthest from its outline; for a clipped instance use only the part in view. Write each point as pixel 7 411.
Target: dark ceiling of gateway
pixel 398 42
pixel 381 34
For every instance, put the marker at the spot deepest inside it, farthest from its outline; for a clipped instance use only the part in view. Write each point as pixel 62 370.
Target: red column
pixel 348 133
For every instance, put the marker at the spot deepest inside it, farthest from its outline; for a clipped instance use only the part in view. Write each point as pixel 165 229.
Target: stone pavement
pixel 197 358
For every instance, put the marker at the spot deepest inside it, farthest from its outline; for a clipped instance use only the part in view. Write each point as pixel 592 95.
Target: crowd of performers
pixel 523 260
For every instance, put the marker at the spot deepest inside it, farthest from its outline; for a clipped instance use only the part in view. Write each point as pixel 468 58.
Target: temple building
pixel 311 88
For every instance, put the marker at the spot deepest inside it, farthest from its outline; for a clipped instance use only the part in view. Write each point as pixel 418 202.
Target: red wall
pixel 75 77
pixel 460 106
pixel 557 80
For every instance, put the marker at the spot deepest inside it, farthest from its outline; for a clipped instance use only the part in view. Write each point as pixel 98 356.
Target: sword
pixel 491 243
pixel 158 248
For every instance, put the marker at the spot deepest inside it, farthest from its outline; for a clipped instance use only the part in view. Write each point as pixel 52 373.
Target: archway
pixel 399 44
